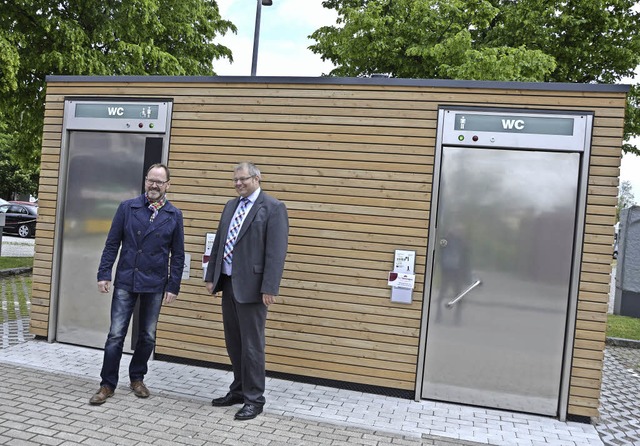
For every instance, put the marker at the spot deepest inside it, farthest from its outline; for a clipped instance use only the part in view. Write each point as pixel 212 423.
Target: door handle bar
pixel 464 293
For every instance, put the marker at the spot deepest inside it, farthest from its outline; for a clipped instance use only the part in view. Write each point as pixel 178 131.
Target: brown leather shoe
pixel 139 389
pixel 101 395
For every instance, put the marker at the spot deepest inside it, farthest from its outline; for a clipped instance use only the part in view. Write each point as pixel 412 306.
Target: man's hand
pixel 268 299
pixel 209 286
pixel 169 297
pixel 104 285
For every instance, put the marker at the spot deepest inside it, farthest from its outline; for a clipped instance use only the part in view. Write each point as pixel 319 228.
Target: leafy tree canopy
pixel 625 197
pixel 587 41
pixel 13 179
pixel 94 37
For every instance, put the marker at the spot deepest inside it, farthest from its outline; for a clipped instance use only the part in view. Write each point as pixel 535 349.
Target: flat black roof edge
pixel 553 86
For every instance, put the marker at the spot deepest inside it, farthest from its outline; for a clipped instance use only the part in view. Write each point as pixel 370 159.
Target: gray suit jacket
pixel 259 252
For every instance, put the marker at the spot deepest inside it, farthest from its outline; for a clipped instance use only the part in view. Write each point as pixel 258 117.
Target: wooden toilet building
pixel 449 240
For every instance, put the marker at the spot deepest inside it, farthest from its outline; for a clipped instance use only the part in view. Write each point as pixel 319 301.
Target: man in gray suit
pixel 246 264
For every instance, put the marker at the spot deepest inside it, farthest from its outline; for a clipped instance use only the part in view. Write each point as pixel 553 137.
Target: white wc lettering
pixel 115 111
pixel 509 124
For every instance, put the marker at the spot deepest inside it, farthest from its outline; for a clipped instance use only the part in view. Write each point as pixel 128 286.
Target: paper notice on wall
pixel 405 261
pixel 401 280
pixel 186 271
pixel 208 245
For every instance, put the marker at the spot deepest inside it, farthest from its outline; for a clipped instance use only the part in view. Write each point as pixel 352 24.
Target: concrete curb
pixel 619 342
pixel 15 271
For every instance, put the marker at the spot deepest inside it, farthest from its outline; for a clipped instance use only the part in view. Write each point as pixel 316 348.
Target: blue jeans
pixel 122 305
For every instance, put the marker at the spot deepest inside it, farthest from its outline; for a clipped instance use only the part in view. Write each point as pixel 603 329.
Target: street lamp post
pixel 256 34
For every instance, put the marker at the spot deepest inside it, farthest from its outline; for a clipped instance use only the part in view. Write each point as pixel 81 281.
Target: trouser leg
pixel 150 305
pixel 122 305
pixel 244 327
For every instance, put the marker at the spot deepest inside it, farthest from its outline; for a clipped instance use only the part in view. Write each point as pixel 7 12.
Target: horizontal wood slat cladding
pixel 354 163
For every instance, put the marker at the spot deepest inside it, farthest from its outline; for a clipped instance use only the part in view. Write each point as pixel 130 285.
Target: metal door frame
pixel 443 138
pixel 70 122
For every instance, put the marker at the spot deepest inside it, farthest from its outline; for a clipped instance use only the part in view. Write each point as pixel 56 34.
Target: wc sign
pixel 120 116
pixel 497 123
pixel 509 124
pixel 117 111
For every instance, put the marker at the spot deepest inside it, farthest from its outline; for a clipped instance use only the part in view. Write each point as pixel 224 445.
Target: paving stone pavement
pixel 45 387
pixel 619 422
pixel 34 411
pixel 50 384
pixel 15 314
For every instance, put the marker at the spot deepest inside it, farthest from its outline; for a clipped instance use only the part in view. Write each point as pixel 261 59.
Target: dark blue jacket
pixel 145 248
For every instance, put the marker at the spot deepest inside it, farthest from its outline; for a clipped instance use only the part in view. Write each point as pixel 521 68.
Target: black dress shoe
pixel 248 412
pixel 227 400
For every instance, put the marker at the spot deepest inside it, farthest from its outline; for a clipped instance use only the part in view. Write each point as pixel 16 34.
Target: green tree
pixel 587 41
pixel 632 119
pixel 422 39
pixel 625 197
pixel 94 37
pixel 13 179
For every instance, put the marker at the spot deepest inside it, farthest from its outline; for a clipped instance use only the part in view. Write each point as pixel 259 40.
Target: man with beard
pixel 148 232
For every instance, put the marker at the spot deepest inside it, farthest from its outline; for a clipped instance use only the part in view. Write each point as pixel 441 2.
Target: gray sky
pixel 630 171
pixel 284 30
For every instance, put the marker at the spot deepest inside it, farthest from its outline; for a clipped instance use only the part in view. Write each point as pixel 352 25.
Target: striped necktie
pixel 234 229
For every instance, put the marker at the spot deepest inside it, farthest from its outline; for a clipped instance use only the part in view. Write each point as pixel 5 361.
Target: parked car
pixel 20 218
pixel 28 203
pixel 3 201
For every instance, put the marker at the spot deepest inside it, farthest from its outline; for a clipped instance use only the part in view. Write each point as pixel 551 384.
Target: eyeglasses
pixel 242 179
pixel 155 182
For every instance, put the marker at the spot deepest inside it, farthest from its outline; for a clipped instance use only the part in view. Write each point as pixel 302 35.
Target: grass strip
pixel 623 327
